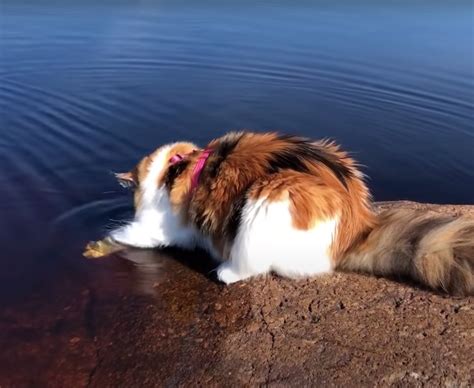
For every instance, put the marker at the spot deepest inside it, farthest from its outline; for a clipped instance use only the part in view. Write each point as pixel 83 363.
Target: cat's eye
pixel 127 184
pixel 126 180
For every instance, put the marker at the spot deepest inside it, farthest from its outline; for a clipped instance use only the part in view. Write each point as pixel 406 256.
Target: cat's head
pixel 155 172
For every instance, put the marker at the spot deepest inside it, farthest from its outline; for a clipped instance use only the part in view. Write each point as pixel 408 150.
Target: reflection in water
pixel 88 88
pixel 148 271
pixel 151 268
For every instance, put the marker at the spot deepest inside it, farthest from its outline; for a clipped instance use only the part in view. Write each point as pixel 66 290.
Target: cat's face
pixel 149 175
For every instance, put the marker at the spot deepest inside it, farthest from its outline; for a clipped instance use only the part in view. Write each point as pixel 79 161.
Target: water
pixel 87 89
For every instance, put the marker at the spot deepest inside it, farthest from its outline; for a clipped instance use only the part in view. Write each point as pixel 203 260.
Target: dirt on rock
pixel 159 319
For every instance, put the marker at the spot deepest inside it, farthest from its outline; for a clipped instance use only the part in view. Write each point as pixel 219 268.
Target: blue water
pixel 86 89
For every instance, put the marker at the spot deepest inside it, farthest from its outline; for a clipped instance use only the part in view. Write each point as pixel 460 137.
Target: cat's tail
pixel 436 251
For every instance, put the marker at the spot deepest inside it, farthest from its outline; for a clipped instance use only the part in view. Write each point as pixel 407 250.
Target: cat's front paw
pixel 227 275
pixel 98 249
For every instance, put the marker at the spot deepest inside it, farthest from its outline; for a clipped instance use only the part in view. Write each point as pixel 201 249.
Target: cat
pixel 267 202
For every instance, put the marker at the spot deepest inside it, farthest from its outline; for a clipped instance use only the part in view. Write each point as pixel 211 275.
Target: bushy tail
pixel 436 251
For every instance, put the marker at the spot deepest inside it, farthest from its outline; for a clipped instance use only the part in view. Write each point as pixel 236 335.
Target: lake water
pixel 87 88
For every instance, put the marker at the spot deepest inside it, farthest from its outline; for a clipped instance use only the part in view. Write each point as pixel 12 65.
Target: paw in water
pixel 97 249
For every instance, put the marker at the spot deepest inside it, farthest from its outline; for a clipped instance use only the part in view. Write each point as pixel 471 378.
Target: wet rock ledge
pixel 163 321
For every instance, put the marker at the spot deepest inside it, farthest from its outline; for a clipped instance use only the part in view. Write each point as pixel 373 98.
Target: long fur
pixel 436 251
pixel 269 202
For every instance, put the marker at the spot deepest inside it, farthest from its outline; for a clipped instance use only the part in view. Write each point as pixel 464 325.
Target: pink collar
pixel 198 167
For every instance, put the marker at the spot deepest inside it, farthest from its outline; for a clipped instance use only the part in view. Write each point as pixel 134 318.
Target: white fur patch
pixel 155 223
pixel 268 241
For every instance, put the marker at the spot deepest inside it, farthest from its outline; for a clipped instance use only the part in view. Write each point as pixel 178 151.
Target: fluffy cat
pixel 263 203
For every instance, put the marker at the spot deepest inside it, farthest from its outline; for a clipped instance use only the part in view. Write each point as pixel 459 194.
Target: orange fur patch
pixel 315 195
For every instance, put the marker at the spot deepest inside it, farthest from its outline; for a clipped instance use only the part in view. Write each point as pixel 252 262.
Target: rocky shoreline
pixel 164 321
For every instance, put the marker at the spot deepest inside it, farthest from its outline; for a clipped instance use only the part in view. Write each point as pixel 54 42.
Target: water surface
pixel 86 89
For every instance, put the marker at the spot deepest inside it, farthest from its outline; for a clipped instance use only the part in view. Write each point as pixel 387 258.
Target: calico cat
pixel 268 202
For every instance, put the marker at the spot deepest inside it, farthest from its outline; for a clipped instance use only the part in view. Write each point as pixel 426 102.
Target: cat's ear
pixel 126 179
pixel 175 159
